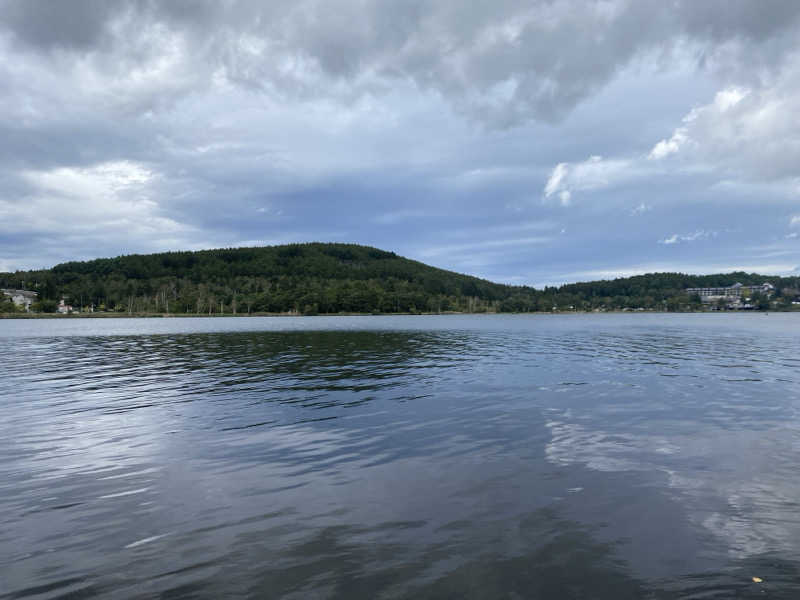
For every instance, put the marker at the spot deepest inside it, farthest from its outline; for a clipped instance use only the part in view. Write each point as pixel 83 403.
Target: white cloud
pixel 107 200
pixel 554 181
pixel 641 209
pixel 723 102
pixel 591 174
pixel 700 234
pixel 794 221
pixel 671 146
pixel 673 239
pixel 729 98
pixel 744 133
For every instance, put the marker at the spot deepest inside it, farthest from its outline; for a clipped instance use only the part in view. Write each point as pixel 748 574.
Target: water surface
pixel 575 456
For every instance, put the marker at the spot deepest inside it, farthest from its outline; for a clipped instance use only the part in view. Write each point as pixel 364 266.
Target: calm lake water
pixel 576 456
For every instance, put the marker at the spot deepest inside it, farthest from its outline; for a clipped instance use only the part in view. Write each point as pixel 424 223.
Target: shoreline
pixel 35 316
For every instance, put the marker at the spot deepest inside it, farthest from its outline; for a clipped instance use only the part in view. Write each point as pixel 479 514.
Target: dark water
pixel 607 456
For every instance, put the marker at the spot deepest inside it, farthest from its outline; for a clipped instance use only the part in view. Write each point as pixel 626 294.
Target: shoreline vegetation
pixel 335 279
pixel 113 315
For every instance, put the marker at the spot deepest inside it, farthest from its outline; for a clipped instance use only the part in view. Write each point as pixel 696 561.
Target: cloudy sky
pixel 525 142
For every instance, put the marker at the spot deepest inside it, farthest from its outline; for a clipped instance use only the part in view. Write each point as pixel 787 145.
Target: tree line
pixel 323 278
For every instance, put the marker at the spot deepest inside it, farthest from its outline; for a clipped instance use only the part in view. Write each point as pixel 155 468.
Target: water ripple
pixel 401 457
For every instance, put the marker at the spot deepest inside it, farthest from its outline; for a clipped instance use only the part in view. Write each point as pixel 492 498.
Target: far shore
pixel 149 315
pixel 109 315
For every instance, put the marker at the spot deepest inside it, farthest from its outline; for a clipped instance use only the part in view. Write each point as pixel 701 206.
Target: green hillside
pixel 332 278
pixel 306 278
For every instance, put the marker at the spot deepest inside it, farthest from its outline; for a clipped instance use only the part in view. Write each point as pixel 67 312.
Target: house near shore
pixel 64 308
pixel 733 294
pixel 22 298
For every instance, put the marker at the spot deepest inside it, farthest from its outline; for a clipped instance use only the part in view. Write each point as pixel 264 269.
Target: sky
pixel 526 142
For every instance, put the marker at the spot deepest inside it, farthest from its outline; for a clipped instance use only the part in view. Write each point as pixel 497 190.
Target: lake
pixel 486 456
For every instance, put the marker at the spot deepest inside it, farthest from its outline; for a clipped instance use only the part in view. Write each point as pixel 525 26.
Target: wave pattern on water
pixel 481 457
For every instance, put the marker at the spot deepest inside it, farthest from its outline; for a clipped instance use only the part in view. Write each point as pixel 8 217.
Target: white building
pixel 64 308
pixel 733 293
pixel 22 298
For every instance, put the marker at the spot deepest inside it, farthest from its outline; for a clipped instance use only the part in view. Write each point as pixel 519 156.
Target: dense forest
pixel 322 278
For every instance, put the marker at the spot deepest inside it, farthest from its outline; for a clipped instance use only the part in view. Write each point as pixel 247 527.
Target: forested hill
pixel 332 278
pixel 305 278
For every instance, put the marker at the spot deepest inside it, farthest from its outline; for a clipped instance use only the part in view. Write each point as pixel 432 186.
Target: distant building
pixel 22 298
pixel 63 307
pixel 733 294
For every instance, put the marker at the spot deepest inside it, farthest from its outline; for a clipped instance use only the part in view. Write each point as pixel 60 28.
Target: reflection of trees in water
pixel 294 362
pixel 308 370
pixel 327 369
pixel 295 353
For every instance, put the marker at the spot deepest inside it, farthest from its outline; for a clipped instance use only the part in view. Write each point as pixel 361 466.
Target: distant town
pixel 736 296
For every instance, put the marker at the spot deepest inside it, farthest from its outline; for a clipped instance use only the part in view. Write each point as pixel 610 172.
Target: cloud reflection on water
pixel 478 458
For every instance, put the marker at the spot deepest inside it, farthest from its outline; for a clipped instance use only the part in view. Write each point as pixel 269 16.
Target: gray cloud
pixel 502 63
pixel 77 25
pixel 426 128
